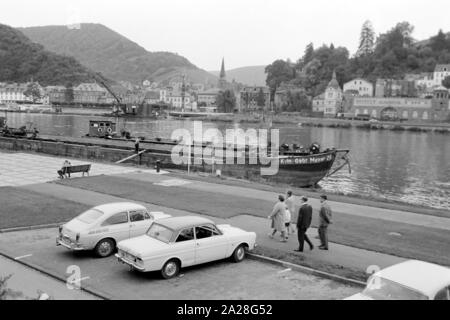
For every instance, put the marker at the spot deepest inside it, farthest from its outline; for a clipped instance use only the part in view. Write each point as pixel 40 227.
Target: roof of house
pixel 152 95
pixel 89 87
pixel 358 79
pixel 425 277
pixel 442 67
pixel 334 83
pixel 320 97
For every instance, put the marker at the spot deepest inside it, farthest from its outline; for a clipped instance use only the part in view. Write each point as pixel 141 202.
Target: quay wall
pixel 103 154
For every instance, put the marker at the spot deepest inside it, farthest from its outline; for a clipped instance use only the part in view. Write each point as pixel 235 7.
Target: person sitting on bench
pixel 62 171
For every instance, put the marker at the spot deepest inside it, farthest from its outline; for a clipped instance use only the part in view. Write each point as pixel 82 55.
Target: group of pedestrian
pixel 284 216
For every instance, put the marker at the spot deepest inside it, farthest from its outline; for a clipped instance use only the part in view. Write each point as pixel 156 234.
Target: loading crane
pixel 116 107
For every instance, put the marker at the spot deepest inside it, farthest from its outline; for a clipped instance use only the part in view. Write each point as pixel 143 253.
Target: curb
pixel 42 226
pixel 306 270
pixel 54 276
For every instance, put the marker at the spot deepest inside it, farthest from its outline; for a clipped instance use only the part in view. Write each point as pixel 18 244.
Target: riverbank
pixel 110 151
pixel 300 121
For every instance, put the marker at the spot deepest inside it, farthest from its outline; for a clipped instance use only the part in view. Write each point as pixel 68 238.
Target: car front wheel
pixel 105 248
pixel 239 253
pixel 170 269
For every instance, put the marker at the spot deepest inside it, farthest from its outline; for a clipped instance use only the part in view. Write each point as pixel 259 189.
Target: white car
pixel 409 280
pixel 102 227
pixel 177 242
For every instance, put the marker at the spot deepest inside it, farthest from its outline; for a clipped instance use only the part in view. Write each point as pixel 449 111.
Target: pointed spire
pixel 334 83
pixel 222 69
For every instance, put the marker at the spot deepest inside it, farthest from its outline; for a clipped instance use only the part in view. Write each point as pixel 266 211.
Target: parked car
pixel 102 227
pixel 177 242
pixel 409 280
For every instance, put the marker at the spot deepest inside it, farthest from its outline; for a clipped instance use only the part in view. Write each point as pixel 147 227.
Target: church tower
pixel 222 79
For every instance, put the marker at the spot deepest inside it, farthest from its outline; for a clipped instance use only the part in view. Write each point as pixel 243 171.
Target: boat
pixel 298 166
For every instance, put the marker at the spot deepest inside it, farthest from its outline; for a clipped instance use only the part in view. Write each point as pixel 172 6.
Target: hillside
pixel 250 76
pixel 22 60
pixel 110 53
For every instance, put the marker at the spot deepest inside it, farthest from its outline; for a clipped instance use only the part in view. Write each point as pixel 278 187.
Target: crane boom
pixel 100 79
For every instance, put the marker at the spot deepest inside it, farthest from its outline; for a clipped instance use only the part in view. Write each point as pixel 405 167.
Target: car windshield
pixel 90 216
pixel 160 233
pixel 382 289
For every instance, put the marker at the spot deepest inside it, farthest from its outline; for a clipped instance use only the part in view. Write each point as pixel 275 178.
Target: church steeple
pixel 222 79
pixel 222 70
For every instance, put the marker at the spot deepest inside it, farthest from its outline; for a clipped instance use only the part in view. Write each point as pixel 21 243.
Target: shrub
pixel 5 292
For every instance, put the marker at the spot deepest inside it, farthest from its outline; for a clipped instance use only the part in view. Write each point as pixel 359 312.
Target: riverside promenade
pixel 361 237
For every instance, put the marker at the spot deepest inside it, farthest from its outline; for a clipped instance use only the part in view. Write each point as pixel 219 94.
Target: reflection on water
pixel 405 166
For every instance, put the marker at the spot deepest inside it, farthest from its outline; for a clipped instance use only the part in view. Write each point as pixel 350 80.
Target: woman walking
pixel 278 219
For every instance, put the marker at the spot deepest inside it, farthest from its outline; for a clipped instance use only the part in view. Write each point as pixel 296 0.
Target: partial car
pixel 102 227
pixel 409 280
pixel 174 243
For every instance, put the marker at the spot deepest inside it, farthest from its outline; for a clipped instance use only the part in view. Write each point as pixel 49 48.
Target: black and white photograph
pixel 224 155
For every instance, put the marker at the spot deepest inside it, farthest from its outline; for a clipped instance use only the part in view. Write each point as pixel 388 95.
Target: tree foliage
pixel 260 98
pixel 278 72
pixel 446 82
pixel 367 39
pixel 33 91
pixel 226 101
pixel 21 60
pixel 394 54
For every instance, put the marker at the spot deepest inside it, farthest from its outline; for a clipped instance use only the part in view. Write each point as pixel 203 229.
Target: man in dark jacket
pixel 303 223
pixel 324 221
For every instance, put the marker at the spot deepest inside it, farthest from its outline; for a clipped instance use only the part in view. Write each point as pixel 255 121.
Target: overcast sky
pixel 245 32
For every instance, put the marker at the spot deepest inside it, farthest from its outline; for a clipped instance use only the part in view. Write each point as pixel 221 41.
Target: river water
pixel 397 165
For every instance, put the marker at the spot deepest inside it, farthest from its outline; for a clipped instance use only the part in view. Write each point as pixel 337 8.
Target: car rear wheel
pixel 170 269
pixel 239 253
pixel 105 248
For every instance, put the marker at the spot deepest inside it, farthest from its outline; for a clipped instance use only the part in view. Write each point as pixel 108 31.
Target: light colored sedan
pixel 177 242
pixel 102 227
pixel 409 280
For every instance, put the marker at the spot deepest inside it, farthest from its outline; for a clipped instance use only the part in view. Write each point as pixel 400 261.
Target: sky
pixel 244 32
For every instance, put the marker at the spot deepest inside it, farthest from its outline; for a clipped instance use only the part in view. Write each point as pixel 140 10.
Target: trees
pixel 33 91
pixel 226 101
pixel 367 39
pixel 446 82
pixel 68 94
pixel 261 99
pixel 277 72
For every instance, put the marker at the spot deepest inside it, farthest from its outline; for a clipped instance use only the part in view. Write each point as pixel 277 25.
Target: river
pixel 396 165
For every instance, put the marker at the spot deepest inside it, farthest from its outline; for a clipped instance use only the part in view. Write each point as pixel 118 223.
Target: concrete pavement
pixel 221 280
pixel 30 283
pixel 339 256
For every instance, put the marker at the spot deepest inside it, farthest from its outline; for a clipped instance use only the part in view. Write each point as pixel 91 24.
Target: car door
pixel 116 226
pixel 184 247
pixel 210 244
pixel 140 221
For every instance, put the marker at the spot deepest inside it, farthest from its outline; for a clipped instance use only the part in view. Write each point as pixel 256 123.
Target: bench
pixel 84 168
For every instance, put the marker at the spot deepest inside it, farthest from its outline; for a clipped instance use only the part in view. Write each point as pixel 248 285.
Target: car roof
pixel 428 278
pixel 176 223
pixel 119 207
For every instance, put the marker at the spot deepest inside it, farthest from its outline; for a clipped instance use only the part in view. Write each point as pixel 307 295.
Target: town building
pixel 16 93
pixel 441 71
pixel 330 102
pixel 395 88
pixel 254 98
pixel 363 87
pixel 56 94
pixel 207 98
pixel 152 97
pixel 176 100
pixel 437 108
pixel 92 93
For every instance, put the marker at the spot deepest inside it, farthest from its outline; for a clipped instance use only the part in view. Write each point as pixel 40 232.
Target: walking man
pixel 278 219
pixel 303 223
pixel 136 145
pixel 324 222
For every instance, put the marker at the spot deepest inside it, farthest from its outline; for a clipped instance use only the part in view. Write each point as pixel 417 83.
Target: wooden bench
pixel 84 168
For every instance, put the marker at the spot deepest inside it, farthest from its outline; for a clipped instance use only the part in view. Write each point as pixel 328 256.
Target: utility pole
pixel 183 92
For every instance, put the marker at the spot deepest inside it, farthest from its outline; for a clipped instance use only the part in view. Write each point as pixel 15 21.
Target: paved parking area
pixel 220 280
pixel 18 169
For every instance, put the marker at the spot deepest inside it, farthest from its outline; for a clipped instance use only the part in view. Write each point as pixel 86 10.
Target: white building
pixel 175 99
pixel 330 101
pixel 364 88
pixel 15 93
pixel 440 73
